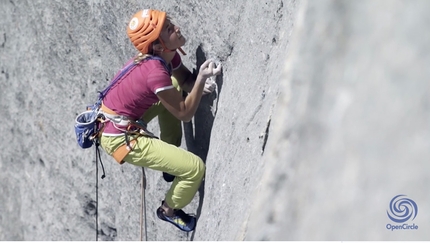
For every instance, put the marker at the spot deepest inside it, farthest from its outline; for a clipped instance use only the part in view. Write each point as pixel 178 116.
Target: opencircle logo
pixel 402 209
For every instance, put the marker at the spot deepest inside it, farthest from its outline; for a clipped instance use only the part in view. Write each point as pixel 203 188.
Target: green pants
pixel 153 153
pixel 164 155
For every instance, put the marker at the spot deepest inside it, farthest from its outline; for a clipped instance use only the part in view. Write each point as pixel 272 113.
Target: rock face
pixel 352 126
pixel 348 99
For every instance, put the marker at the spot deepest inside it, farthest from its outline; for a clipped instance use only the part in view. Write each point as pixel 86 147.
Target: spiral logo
pixel 402 209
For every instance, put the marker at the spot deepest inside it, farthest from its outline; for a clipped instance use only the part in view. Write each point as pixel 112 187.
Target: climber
pixel 154 87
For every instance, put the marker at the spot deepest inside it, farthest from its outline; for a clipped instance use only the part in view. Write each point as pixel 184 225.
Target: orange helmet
pixel 145 27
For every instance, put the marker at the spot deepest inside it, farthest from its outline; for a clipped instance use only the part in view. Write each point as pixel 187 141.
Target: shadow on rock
pixel 198 131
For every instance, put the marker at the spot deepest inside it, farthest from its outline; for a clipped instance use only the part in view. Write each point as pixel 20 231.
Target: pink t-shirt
pixel 137 90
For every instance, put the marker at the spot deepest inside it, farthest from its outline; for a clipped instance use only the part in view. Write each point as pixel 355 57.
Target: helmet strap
pixel 168 50
pixel 165 49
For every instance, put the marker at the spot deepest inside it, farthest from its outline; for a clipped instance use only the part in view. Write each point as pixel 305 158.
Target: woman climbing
pixel 152 86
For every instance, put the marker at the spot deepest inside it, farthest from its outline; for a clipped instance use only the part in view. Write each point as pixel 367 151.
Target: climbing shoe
pixel 168 177
pixel 179 219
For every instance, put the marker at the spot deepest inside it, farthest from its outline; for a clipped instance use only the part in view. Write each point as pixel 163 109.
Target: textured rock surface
pixel 352 125
pixel 349 132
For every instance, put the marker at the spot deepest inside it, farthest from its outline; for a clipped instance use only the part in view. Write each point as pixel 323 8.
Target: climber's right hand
pixel 209 69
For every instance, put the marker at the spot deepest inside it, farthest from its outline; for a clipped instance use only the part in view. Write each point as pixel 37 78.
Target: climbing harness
pixel 132 129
